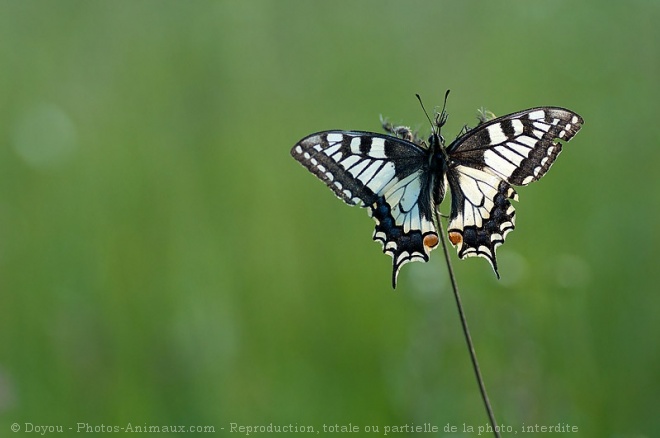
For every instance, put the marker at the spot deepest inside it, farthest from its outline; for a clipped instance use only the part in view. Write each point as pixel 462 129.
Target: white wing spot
pixel 377 148
pixel 394 197
pixel 526 140
pixel 335 137
pixel 411 195
pixel 355 145
pixel 313 161
pixel 523 150
pixel 415 218
pixel 509 154
pixel 299 149
pixel 490 193
pixel 321 168
pixel 536 115
pixel 317 147
pixel 403 255
pixel 574 120
pixel 369 172
pixel 329 176
pixel 541 126
pixel 528 180
pixel 355 171
pixel 332 149
pixel 562 134
pixel 498 164
pixel 426 227
pixel 349 161
pixel 517 127
pixel 496 134
pixel 484 249
pixel 382 178
pixel 306 155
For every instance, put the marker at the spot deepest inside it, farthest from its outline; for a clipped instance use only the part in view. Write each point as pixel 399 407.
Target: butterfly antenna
pixel 425 113
pixel 444 105
pixel 441 117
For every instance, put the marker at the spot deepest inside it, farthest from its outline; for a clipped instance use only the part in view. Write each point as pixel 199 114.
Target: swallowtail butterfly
pixel 401 179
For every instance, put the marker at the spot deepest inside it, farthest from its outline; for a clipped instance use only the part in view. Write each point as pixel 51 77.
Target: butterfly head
pixel 436 140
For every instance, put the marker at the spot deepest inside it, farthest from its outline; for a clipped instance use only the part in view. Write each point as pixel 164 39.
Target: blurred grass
pixel 163 260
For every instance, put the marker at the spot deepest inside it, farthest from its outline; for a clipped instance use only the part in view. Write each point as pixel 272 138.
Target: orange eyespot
pixel 431 241
pixel 455 238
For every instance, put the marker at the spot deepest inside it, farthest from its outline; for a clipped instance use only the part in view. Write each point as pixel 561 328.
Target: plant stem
pixel 466 330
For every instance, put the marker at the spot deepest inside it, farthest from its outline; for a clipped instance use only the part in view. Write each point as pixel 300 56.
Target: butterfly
pixel 402 179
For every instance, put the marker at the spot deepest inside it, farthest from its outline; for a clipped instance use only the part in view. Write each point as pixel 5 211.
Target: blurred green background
pixel 164 261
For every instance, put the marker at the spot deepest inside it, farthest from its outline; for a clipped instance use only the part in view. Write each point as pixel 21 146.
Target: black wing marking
pixel 514 149
pixel 386 174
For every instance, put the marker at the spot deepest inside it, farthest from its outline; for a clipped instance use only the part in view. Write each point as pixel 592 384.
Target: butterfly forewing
pixel 519 147
pixel 385 174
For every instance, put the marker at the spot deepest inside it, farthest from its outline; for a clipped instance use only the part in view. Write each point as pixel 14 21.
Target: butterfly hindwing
pixel 481 212
pixel 514 149
pixel 385 174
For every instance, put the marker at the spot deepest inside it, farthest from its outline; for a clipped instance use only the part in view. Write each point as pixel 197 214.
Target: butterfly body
pixel 402 179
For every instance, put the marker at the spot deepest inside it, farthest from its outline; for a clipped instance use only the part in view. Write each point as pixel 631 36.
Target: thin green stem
pixel 466 330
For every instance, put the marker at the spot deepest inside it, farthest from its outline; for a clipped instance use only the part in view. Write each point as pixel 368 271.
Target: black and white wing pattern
pixel 385 174
pixel 402 181
pixel 484 164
